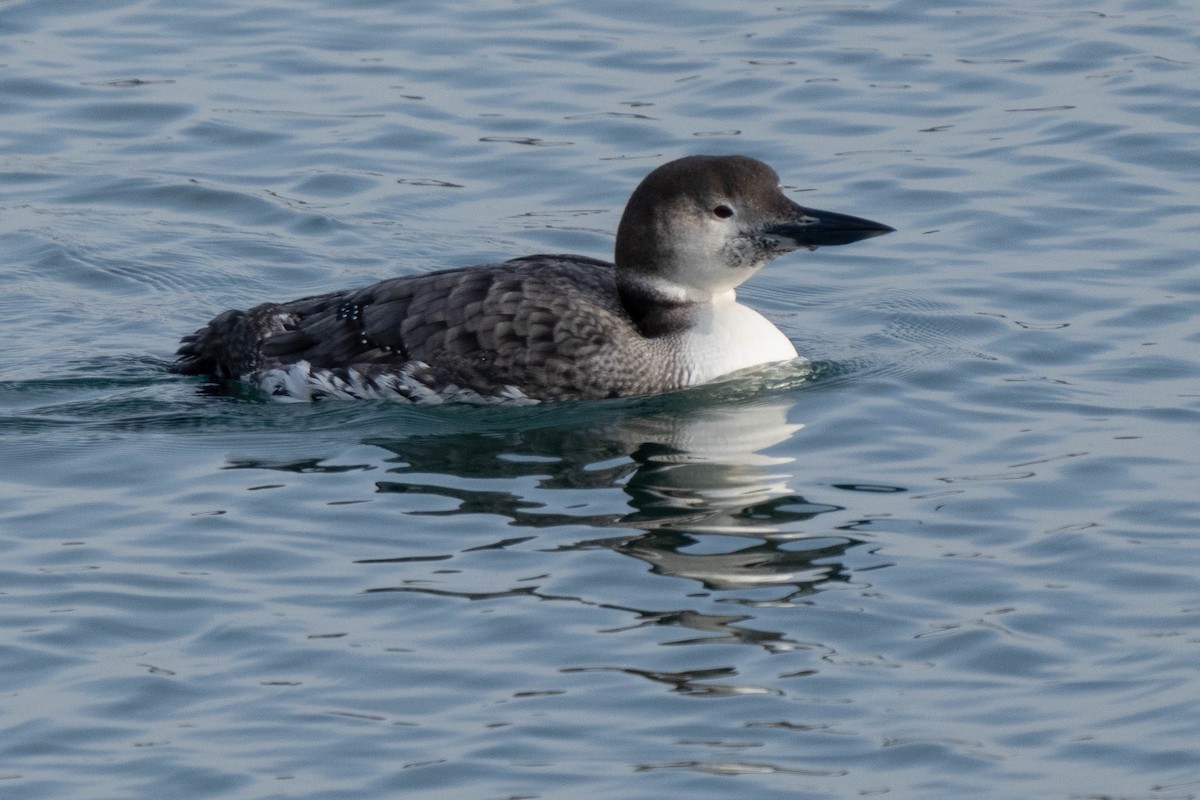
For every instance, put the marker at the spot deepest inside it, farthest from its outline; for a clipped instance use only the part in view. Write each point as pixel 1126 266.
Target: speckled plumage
pixel 545 323
pixel 546 327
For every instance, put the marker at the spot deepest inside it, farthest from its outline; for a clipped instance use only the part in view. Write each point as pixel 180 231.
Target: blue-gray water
pixel 959 560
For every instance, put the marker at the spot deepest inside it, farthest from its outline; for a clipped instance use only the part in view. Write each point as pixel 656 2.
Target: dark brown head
pixel 701 225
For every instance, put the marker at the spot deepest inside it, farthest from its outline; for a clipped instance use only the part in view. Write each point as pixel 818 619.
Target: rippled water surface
pixel 960 558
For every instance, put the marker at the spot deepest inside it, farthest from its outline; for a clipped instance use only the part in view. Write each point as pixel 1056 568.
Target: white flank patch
pixel 302 383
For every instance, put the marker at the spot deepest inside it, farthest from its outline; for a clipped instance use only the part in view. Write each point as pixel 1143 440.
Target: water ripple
pixel 955 553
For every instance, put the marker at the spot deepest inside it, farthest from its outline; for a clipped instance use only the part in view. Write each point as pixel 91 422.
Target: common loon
pixel 548 327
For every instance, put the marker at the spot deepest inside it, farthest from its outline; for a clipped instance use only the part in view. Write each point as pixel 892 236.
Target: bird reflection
pixel 693 485
pixel 692 682
pixel 708 499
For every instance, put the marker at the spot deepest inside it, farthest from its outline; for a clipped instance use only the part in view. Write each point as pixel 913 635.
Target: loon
pixel 547 327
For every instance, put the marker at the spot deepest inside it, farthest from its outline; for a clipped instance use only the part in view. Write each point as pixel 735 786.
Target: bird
pixel 662 317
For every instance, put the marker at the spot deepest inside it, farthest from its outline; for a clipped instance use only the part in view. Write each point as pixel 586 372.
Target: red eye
pixel 724 212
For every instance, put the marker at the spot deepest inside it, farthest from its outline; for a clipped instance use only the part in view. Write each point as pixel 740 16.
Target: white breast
pixel 728 337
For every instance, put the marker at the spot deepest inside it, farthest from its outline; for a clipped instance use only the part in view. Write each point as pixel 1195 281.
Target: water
pixel 958 559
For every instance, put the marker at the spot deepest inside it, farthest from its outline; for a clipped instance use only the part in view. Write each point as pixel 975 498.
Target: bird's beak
pixel 811 227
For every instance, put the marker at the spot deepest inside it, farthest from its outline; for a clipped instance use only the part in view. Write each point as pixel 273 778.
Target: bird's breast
pixel 726 337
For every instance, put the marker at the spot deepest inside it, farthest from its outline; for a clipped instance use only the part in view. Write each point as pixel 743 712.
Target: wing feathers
pixel 541 324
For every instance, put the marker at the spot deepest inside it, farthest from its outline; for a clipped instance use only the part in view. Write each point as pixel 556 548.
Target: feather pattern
pixel 553 326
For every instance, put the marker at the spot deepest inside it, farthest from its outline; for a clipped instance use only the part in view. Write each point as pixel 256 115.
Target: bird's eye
pixel 724 212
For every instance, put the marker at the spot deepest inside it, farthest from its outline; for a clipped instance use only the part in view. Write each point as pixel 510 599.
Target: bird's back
pixel 537 328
